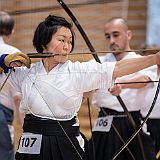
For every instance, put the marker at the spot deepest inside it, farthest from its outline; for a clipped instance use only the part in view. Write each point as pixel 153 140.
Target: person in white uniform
pixel 52 91
pixel 9 98
pixel 105 139
pixel 153 122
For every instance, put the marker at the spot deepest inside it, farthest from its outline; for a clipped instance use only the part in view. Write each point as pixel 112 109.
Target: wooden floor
pixel 17 129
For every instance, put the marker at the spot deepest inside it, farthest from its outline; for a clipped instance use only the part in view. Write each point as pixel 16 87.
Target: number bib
pixel 30 143
pixel 103 124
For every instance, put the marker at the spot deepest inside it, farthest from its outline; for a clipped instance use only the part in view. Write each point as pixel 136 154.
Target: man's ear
pixel 8 38
pixel 129 34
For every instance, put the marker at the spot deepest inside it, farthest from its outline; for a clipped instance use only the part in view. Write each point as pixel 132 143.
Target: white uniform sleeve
pixel 16 79
pixel 95 75
pixel 151 72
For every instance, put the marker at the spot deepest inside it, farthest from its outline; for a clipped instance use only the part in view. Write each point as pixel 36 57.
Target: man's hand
pixel 158 62
pixel 115 90
pixel 87 95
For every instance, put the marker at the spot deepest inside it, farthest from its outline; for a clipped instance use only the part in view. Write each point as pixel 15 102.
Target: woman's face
pixel 61 43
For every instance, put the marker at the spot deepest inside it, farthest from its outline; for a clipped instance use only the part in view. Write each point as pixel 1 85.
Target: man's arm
pixel 129 66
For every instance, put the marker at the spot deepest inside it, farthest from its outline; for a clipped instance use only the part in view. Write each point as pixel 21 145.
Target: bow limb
pixel 90 46
pixel 131 120
pixel 120 137
pixel 144 121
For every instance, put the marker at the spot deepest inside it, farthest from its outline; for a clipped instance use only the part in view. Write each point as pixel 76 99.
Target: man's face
pixel 117 36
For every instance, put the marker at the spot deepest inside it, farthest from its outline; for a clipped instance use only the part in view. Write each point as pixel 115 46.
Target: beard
pixel 114 47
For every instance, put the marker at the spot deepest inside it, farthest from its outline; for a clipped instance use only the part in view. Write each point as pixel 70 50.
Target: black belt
pixel 106 111
pixel 135 114
pixel 44 126
pixel 151 121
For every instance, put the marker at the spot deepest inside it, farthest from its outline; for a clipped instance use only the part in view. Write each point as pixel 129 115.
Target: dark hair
pixel 45 30
pixel 6 23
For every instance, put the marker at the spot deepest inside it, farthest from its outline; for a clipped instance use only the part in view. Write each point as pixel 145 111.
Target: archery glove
pixel 17 57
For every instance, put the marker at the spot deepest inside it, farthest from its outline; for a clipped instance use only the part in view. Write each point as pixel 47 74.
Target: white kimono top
pixel 133 98
pixel 58 94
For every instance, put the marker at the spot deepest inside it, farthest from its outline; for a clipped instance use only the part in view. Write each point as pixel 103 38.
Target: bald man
pixel 111 113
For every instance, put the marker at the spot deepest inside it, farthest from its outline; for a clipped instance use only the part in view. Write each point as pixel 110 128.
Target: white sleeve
pixel 95 76
pixel 16 79
pixel 151 72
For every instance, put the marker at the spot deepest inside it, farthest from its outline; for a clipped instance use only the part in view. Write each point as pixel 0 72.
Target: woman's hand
pixel 17 60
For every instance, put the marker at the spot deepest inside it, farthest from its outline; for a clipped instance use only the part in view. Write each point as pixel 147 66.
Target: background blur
pixel 92 15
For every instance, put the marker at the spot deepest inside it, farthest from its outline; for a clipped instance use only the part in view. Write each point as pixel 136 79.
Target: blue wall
pixel 153 23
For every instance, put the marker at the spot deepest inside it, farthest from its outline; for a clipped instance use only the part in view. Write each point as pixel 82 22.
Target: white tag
pixel 30 143
pixel 103 124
